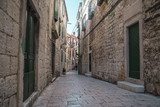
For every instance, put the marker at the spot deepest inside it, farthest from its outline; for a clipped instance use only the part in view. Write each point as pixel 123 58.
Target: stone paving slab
pixel 73 90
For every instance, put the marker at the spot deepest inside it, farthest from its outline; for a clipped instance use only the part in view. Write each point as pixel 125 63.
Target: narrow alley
pixel 79 53
pixel 73 90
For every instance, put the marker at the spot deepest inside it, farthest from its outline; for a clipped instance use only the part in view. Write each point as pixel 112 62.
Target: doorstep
pixel 131 87
pixel 88 74
pixel 30 100
pixel 53 79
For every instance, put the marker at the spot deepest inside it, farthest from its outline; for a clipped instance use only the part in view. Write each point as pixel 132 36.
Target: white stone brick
pixel 2 18
pixel 2 42
pixel 12 46
pixel 4 65
pixel 7 24
pixel 13 66
pixel 10 85
pixel 13 101
pixel 15 30
pixel 1 88
pixel 13 13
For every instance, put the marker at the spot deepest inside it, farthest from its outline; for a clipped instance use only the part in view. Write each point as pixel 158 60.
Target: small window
pixel 84 24
pixel 61 56
pixel 55 10
pixel 91 11
pixel 59 29
pixel 62 32
pixel 63 10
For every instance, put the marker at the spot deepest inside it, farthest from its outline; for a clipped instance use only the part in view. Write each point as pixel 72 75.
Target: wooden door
pixel 90 63
pixel 53 58
pixel 134 52
pixel 29 75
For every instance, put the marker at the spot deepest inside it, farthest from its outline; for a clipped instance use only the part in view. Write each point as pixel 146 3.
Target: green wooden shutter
pixel 89 12
pixel 59 29
pixel 31 57
pixel 29 74
pixel 92 9
pixel 55 10
pixel 83 24
pixel 134 52
pixel 62 32
pixel 61 56
pixel 78 31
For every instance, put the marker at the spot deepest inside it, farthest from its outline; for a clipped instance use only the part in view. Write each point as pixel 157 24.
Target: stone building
pixel 30 46
pixel 120 42
pixel 71 52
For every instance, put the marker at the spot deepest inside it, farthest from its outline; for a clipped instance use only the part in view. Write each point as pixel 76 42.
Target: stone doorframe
pixel 21 55
pixel 89 52
pixel 136 19
pixel 132 15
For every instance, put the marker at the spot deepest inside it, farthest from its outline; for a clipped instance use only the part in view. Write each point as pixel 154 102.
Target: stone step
pixel 88 74
pixel 131 87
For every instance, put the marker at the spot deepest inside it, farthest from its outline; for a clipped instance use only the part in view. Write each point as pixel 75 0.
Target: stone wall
pixel 151 38
pixel 12 33
pixel 85 62
pixel 109 43
pixel 9 45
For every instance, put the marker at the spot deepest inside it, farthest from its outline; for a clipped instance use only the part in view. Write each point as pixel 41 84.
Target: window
pixel 61 56
pixel 63 10
pixel 91 11
pixel 59 29
pixel 79 32
pixel 84 24
pixel 78 15
pixel 55 10
pixel 62 32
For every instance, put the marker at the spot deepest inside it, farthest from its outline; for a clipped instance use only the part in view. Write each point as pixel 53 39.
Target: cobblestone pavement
pixel 74 90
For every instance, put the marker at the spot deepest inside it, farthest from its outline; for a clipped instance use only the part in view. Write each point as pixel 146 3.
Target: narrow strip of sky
pixel 72 8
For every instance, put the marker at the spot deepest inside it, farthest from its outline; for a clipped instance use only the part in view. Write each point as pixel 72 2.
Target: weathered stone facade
pixel 9 45
pixel 71 52
pixel 151 43
pixel 108 42
pixel 12 36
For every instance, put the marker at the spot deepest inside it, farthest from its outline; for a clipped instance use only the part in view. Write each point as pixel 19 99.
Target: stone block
pixel 6 24
pixel 15 30
pixel 5 103
pixel 131 87
pixel 2 43
pixel 17 2
pixel 1 88
pixel 13 101
pixel 150 87
pixel 10 85
pixel 3 4
pixel 13 66
pixel 12 46
pixel 13 10
pixel 2 18
pixel 4 65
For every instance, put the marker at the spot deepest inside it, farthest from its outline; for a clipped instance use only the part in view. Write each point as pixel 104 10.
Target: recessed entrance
pixel 134 51
pixel 90 62
pixel 53 58
pixel 29 55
